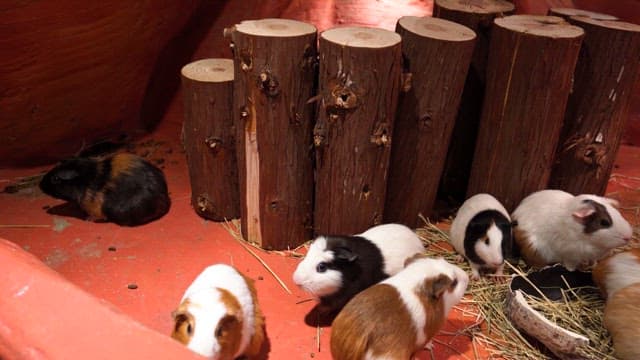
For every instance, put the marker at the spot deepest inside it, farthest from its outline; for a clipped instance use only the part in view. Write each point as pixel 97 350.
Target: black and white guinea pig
pixel 400 315
pixel 219 316
pixel 481 232
pixel 554 226
pixel 338 267
pixel 622 319
pixel 122 188
pixel 617 271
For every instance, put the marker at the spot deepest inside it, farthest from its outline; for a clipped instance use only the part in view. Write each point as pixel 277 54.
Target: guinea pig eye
pixel 189 329
pixel 605 223
pixel 454 283
pixel 486 241
pixel 55 179
pixel 321 267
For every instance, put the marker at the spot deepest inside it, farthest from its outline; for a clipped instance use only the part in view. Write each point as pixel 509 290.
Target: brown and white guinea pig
pixel 553 226
pixel 622 319
pixel 338 267
pixel 617 271
pixel 219 316
pixel 481 232
pixel 122 188
pixel 400 315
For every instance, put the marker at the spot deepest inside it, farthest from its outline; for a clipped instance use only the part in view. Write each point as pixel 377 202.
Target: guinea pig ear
pixel 344 254
pixel 582 213
pixel 434 288
pixel 612 202
pixel 67 174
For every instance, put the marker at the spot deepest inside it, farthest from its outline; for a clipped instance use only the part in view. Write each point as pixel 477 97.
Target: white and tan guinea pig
pixel 219 316
pixel 481 232
pixel 553 226
pixel 617 271
pixel 400 315
pixel 622 319
pixel 338 267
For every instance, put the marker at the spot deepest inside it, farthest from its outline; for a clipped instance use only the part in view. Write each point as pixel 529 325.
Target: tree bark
pixel 478 16
pixel 275 67
pixel 597 110
pixel 529 72
pixel 437 54
pixel 358 92
pixel 208 136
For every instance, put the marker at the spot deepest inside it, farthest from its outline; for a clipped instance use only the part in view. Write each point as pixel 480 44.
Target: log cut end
pixel 435 28
pixel 568 12
pixel 478 6
pixel 538 25
pixel 209 70
pixel 275 28
pixel 362 37
pixel 609 24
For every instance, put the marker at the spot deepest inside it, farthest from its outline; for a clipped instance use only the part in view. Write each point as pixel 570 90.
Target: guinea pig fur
pixel 219 316
pixel 400 315
pixel 122 188
pixel 481 232
pixel 617 271
pixel 554 226
pixel 338 267
pixel 622 319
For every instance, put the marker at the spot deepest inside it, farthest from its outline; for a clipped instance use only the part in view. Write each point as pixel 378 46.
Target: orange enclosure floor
pixel 163 257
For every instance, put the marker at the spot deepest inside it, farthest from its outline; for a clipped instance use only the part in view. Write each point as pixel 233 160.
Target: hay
pixel 496 332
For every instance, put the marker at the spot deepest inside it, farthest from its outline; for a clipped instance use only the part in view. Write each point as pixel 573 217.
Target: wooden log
pixel 598 107
pixel 275 67
pixel 567 13
pixel 437 54
pixel 359 86
pixel 529 72
pixel 208 137
pixel 478 16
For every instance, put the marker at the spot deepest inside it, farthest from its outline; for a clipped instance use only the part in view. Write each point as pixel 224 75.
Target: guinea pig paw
pixel 459 258
pixel 475 275
pixel 429 345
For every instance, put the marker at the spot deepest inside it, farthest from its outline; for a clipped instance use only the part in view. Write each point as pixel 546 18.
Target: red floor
pixel 163 257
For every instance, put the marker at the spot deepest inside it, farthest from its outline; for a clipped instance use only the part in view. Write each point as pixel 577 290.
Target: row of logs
pixel 340 139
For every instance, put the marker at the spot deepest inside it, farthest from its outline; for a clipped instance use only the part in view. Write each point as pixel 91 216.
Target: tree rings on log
pixel 359 83
pixel 275 71
pixel 208 137
pixel 475 7
pixel 437 54
pixel 598 106
pixel 529 76
pixel 566 13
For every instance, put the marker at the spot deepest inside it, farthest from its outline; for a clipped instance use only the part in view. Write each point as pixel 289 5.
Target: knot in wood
pixel 318 135
pixel 203 204
pixel 380 136
pixel 244 112
pixel 406 81
pixel 268 84
pixel 594 155
pixel 213 143
pixel 246 64
pixel 344 98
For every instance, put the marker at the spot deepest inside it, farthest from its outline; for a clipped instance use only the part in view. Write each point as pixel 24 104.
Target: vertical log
pixel 275 67
pixel 598 108
pixel 208 137
pixel 437 54
pixel 478 16
pixel 531 63
pixel 359 86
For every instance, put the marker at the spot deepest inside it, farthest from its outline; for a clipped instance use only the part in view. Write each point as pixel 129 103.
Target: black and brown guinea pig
pixel 122 188
pixel 400 315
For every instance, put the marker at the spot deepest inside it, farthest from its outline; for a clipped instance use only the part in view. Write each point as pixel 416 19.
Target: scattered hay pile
pixel 582 315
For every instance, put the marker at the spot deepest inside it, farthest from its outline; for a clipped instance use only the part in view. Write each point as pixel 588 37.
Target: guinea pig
pixel 481 232
pixel 122 188
pixel 219 316
pixel 622 319
pixel 553 226
pixel 617 271
pixel 400 315
pixel 338 267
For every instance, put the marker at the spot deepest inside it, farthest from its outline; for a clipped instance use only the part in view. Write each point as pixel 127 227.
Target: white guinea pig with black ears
pixel 338 267
pixel 553 226
pixel 400 315
pixel 617 271
pixel 219 316
pixel 481 232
